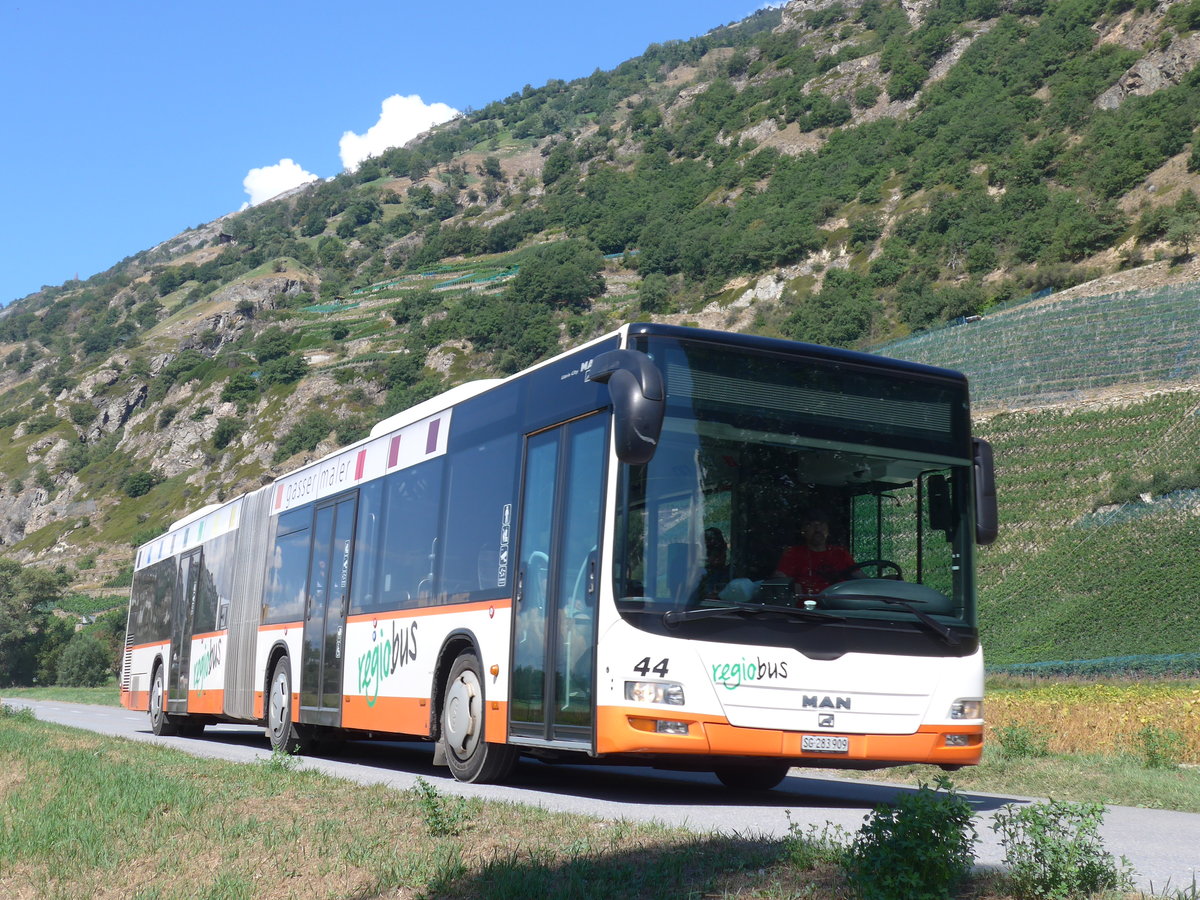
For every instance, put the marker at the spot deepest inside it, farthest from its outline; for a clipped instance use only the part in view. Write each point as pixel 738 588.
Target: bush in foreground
pixel 920 849
pixel 1054 852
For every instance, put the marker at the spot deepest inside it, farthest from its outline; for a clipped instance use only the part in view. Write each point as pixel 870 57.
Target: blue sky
pixel 127 122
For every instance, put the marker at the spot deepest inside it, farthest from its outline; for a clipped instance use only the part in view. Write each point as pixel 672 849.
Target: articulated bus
pixel 597 559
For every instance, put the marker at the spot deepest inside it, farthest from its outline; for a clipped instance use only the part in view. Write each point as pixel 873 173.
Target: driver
pixel 816 563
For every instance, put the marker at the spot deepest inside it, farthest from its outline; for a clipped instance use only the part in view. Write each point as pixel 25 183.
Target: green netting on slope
pixel 1051 350
pixel 329 307
pixel 1178 665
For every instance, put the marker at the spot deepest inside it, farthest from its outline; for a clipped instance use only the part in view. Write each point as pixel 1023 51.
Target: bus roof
pixel 780 345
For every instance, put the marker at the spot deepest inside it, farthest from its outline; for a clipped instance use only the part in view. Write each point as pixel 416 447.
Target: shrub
pixel 304 435
pixel 82 414
pixel 1161 748
pixel 920 849
pixel 1022 741
pixel 84 662
pixel 240 388
pixel 654 292
pixel 227 430
pixel 123 578
pixel 444 816
pixel 808 848
pixel 140 483
pixel 41 423
pixel 1053 851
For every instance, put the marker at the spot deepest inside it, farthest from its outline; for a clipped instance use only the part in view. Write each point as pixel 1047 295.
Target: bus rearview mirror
pixel 987 524
pixel 635 386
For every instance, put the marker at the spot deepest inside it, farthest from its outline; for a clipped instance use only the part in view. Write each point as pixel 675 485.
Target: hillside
pixel 853 173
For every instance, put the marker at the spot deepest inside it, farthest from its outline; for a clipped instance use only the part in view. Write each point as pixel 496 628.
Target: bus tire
pixel 752 778
pixel 283 733
pixel 160 723
pixel 469 756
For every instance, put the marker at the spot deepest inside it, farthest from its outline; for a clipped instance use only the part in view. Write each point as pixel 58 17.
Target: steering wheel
pixel 879 565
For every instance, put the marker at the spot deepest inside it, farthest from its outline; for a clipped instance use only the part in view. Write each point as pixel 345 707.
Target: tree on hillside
pixel 565 274
pixel 27 595
pixel 839 315
pixel 84 662
pixel 1183 226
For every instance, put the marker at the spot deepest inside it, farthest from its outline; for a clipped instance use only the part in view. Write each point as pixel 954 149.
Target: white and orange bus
pixel 585 561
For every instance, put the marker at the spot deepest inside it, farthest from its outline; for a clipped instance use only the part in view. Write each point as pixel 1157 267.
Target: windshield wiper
pixel 675 616
pixel 946 633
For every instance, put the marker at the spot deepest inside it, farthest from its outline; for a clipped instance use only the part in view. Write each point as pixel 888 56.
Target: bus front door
pixel 325 612
pixel 179 670
pixel 557 585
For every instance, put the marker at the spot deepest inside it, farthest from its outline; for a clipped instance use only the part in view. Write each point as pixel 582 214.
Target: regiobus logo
pixel 207 662
pixel 387 653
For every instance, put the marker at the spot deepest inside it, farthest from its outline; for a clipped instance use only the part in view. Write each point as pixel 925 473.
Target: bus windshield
pixel 832 492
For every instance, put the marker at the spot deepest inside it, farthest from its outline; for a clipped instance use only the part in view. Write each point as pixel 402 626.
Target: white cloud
pixel 400 120
pixel 271 181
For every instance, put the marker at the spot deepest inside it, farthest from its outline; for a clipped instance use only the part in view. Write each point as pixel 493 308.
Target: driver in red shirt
pixel 816 563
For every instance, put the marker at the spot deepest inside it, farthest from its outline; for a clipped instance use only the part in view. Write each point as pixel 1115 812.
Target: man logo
pixel 814 701
pixel 825 721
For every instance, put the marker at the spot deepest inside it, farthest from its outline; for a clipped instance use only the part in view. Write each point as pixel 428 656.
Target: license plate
pixel 824 743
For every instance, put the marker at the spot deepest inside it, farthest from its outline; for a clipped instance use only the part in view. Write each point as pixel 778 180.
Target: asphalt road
pixel 1162 846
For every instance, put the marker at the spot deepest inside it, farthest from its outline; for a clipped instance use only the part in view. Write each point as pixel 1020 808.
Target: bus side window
pixel 410 529
pixel 287 573
pixel 482 483
pixel 368 547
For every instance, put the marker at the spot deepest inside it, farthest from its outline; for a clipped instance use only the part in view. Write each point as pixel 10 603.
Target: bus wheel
pixel 284 735
pixel 469 756
pixel 752 778
pixel 160 723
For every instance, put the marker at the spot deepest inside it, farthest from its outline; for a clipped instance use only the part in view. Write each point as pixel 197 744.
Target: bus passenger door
pixel 554 622
pixel 179 671
pixel 323 649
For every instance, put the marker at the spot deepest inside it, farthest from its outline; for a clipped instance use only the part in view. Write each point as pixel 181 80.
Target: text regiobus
pixel 520 566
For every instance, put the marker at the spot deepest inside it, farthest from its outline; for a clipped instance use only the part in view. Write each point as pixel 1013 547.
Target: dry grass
pixel 1099 718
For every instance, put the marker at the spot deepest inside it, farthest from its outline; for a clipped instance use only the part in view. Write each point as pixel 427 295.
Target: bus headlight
pixel 966 709
pixel 667 692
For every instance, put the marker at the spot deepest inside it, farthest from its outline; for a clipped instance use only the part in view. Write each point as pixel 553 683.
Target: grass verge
pixel 88 816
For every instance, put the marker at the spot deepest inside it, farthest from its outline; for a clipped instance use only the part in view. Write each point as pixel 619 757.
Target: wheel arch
pixel 457 643
pixel 277 652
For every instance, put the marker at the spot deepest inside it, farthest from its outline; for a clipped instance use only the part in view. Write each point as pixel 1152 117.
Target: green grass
pixel 1121 780
pixel 83 815
pixel 106 695
pixel 1064 583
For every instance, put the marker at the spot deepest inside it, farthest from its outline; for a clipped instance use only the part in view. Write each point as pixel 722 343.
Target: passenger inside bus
pixel 716 563
pixel 816 563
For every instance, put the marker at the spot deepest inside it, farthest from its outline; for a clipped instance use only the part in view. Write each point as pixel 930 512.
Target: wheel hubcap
pixel 278 704
pixel 463 699
pixel 156 699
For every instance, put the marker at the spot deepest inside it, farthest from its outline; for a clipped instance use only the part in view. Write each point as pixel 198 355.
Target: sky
pixel 126 122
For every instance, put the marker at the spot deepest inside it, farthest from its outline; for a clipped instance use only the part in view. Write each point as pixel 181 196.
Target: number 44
pixel 643 668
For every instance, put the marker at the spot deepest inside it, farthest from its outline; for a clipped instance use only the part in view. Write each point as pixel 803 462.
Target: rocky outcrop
pixel 116 412
pixel 265 292
pixel 95 383
pixel 1153 72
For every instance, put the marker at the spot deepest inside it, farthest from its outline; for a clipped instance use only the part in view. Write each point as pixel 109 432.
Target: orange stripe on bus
pixel 632 730
pixel 212 702
pixel 399 715
pixel 440 610
pixel 209 634
pixel 155 644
